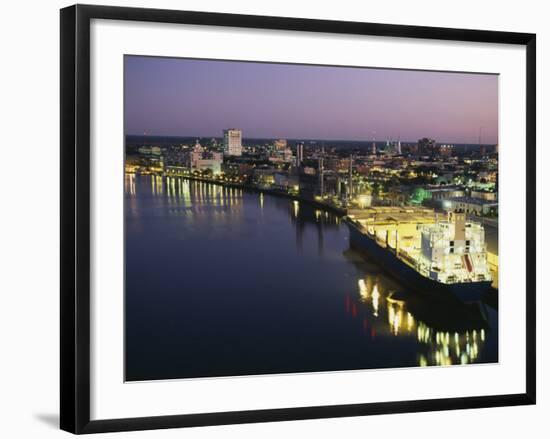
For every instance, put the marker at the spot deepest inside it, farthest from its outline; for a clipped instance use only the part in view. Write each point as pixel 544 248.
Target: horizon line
pixel 309 138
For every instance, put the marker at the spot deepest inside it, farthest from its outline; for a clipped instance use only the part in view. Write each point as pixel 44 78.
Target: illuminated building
pixel 200 160
pixel 280 144
pixel 232 142
pixel 212 165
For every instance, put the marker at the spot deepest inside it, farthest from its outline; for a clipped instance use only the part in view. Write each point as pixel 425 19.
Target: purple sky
pixel 171 96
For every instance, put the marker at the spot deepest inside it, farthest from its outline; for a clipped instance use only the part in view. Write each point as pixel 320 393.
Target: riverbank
pixel 275 192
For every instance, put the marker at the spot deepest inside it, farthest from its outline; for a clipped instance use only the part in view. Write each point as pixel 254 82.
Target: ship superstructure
pixel 427 250
pixel 453 251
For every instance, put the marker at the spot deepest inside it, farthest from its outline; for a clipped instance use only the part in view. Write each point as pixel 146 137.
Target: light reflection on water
pixel 246 283
pixel 450 333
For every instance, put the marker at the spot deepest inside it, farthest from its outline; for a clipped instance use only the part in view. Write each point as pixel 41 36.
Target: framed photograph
pixel 268 219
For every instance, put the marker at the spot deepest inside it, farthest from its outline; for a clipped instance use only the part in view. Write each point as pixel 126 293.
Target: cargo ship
pixel 441 255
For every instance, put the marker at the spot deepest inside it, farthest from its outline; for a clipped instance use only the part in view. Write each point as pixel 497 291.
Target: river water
pixel 223 282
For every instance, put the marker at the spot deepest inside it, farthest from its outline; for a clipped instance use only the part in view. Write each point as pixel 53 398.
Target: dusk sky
pixel 183 97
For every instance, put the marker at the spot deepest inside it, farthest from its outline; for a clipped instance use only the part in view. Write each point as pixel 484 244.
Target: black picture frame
pixel 75 217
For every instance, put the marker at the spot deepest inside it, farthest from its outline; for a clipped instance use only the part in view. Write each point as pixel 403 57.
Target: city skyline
pixel 189 97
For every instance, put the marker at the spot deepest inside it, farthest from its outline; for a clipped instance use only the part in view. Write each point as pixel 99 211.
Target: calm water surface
pixel 222 282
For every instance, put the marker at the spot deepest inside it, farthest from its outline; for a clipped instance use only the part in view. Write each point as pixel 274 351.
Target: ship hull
pixel 389 262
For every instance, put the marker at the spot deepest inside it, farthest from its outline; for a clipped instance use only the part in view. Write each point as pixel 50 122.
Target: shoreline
pixel 332 209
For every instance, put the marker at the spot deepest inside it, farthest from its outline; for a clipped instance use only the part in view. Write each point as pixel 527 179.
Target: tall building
pixel 280 144
pixel 299 154
pixel 232 142
pixel 426 146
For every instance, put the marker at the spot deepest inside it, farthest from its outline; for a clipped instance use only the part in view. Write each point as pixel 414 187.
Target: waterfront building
pixel 264 177
pixel 232 142
pixel 234 168
pixel 209 164
pixel 308 183
pixel 285 181
pixel 200 160
pixel 195 155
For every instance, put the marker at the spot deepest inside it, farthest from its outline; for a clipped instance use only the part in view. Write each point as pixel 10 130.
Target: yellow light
pixel 375 300
pixel 363 292
pixel 410 321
